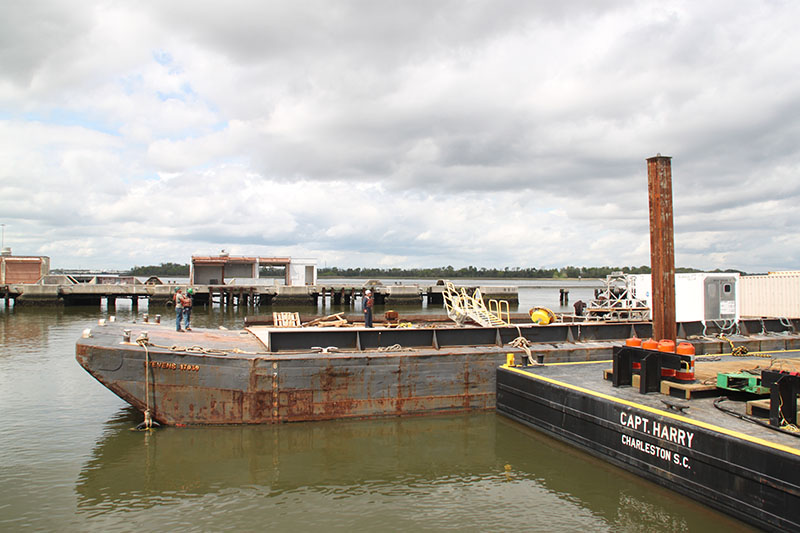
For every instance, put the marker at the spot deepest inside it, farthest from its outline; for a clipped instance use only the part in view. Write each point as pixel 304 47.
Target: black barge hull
pixel 747 477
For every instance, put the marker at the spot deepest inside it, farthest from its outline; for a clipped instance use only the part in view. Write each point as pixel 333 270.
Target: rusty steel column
pixel 662 246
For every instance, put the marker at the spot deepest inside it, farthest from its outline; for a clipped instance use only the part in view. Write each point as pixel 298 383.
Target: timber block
pixel 608 375
pixel 760 408
pixel 685 390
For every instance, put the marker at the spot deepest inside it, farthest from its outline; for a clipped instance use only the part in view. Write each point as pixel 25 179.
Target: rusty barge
pixel 264 374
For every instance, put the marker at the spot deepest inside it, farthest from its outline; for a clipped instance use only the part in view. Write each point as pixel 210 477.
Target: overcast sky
pixel 399 133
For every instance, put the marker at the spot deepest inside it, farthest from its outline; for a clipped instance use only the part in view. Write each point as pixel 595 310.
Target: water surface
pixel 70 462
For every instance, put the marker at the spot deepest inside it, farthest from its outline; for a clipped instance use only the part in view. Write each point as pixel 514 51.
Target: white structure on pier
pixel 220 269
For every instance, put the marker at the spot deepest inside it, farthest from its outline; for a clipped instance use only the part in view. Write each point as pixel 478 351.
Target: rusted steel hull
pixel 193 389
pixel 236 377
pixel 190 388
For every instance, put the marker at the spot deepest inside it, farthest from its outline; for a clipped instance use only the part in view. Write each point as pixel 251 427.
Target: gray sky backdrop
pixel 405 133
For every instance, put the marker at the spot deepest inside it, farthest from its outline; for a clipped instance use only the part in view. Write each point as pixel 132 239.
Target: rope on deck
pixel 742 351
pixel 524 344
pixel 197 349
pixel 394 348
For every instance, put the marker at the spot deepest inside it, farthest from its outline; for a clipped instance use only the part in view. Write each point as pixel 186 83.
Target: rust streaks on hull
pixel 298 388
pixel 250 386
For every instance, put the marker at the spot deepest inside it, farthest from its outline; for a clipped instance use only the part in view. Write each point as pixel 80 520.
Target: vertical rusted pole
pixel 662 246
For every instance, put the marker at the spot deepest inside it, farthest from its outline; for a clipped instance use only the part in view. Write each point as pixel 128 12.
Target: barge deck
pixel 707 447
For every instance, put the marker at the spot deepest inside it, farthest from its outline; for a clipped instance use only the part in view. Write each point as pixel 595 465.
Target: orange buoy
pixel 636 342
pixel 685 348
pixel 666 345
pixel 647 344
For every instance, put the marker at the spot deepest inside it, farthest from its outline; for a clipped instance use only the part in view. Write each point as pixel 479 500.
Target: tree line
pixel 447 272
pixel 173 270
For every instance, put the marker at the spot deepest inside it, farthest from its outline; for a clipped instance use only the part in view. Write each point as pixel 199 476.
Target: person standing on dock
pixel 187 308
pixel 178 298
pixel 369 301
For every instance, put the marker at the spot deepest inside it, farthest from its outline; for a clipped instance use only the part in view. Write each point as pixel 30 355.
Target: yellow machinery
pixel 542 316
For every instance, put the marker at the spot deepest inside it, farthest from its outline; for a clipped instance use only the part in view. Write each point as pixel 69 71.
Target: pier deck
pixel 250 295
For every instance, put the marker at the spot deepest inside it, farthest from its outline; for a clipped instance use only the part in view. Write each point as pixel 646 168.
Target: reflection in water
pixel 411 473
pixel 133 467
pixel 624 502
pixel 28 331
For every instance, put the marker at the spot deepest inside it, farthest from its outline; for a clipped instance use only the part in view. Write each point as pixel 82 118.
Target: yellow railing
pixel 496 307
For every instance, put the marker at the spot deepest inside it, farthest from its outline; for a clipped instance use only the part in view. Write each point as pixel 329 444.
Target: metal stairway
pixel 461 306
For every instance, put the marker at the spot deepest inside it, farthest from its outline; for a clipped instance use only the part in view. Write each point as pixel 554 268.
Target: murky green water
pixel 69 461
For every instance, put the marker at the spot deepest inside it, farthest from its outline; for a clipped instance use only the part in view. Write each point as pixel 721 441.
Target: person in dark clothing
pixel 369 301
pixel 579 307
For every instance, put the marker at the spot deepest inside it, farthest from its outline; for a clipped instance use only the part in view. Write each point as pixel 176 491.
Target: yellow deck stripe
pixel 653 410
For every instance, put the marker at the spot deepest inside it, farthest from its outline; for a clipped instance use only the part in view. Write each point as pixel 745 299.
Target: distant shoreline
pixel 467 277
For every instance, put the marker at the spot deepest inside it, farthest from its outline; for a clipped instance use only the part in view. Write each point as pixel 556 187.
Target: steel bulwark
pixel 299 339
pixel 287 340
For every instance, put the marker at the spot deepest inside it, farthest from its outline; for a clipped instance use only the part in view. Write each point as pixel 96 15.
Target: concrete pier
pixel 240 295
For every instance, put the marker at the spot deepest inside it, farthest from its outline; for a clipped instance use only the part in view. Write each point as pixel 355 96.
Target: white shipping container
pixel 698 297
pixel 774 295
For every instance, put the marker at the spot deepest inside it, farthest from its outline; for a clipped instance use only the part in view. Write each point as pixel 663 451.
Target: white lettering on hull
pixel 654 428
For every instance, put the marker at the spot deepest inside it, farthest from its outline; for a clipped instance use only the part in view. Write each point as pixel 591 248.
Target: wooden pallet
pixel 286 320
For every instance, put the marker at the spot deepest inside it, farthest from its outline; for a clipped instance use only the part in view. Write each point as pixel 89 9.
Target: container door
pixel 720 298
